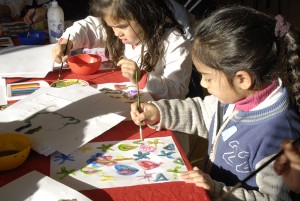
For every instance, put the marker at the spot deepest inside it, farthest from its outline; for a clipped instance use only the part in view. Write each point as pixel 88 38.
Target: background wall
pixel 290 9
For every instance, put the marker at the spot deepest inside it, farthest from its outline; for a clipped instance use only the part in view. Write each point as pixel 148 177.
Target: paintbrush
pixel 139 101
pixel 138 90
pixel 62 63
pixel 30 26
pixel 239 184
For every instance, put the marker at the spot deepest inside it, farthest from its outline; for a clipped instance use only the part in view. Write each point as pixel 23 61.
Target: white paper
pixel 62 119
pixel 119 163
pixel 33 61
pixel 3 97
pixel 35 186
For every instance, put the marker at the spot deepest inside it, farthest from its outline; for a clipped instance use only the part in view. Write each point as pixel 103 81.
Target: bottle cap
pixel 54 3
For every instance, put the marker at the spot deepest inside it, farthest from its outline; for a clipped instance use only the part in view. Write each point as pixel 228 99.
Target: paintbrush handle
pixel 139 103
pixel 62 63
pixel 138 90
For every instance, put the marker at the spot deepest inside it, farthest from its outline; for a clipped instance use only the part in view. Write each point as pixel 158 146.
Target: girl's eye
pixel 207 80
pixel 123 26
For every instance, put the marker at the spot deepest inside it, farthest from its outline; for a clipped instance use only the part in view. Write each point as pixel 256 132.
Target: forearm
pixel 86 33
pixel 185 116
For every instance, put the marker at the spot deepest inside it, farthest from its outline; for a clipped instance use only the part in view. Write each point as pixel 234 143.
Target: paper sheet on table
pixel 62 119
pixel 33 61
pixel 119 163
pixel 3 96
pixel 35 186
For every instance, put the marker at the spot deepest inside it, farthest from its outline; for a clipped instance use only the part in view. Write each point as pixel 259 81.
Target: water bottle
pixel 55 17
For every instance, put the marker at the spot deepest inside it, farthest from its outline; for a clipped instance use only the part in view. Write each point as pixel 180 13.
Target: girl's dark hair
pixel 153 16
pixel 239 38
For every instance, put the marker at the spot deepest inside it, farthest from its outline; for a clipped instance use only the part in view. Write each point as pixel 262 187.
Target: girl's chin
pixel 125 41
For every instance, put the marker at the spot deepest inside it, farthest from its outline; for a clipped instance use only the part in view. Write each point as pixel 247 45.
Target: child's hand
pixel 199 178
pixel 288 165
pixel 128 68
pixel 35 16
pixel 58 51
pixel 149 114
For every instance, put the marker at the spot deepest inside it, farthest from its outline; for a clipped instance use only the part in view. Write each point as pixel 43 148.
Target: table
pixel 125 130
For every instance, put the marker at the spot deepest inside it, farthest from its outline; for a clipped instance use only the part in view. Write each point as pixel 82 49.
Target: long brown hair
pixel 239 38
pixel 153 16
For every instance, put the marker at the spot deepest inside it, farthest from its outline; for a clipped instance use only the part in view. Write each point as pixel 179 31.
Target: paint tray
pixel 17 91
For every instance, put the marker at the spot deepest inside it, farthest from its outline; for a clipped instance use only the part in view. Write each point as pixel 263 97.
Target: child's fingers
pixel 292 153
pixel 196 178
pixel 134 106
pixel 136 115
pixel 281 165
pixel 134 112
pixel 190 174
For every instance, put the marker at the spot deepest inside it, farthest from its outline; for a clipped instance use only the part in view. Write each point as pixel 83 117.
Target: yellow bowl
pixel 14 150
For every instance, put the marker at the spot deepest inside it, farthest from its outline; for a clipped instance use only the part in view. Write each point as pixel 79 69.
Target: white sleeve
pixel 86 33
pixel 171 76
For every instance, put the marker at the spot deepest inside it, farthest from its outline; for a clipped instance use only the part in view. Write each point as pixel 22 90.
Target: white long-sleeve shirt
pixel 171 75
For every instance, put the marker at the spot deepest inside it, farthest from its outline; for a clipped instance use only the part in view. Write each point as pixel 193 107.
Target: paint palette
pixel 18 91
pixel 6 42
pixel 69 82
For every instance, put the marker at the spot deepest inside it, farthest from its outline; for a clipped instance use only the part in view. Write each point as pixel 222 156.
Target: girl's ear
pixel 243 79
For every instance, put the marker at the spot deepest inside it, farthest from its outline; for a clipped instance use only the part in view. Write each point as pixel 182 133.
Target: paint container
pixel 69 82
pixel 18 91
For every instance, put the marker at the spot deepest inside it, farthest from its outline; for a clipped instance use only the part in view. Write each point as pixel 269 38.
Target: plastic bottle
pixel 55 17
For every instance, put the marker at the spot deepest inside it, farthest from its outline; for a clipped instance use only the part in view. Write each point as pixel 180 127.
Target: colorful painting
pixel 124 91
pixel 119 163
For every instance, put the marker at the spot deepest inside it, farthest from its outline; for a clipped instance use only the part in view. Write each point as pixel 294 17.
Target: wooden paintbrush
pixel 239 184
pixel 139 102
pixel 138 90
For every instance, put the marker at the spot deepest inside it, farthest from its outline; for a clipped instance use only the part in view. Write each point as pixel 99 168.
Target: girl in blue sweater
pixel 247 61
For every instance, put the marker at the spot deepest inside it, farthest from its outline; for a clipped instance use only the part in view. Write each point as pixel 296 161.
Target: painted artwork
pixel 119 163
pixel 50 117
pixel 47 121
pixel 124 91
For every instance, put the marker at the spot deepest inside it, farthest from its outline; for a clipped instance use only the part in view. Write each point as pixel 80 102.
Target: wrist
pixel 63 41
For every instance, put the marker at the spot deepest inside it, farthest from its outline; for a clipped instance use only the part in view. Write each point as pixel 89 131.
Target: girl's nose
pixel 118 33
pixel 202 83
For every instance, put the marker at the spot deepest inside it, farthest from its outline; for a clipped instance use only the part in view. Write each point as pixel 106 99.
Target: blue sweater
pixel 250 137
pixel 244 141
